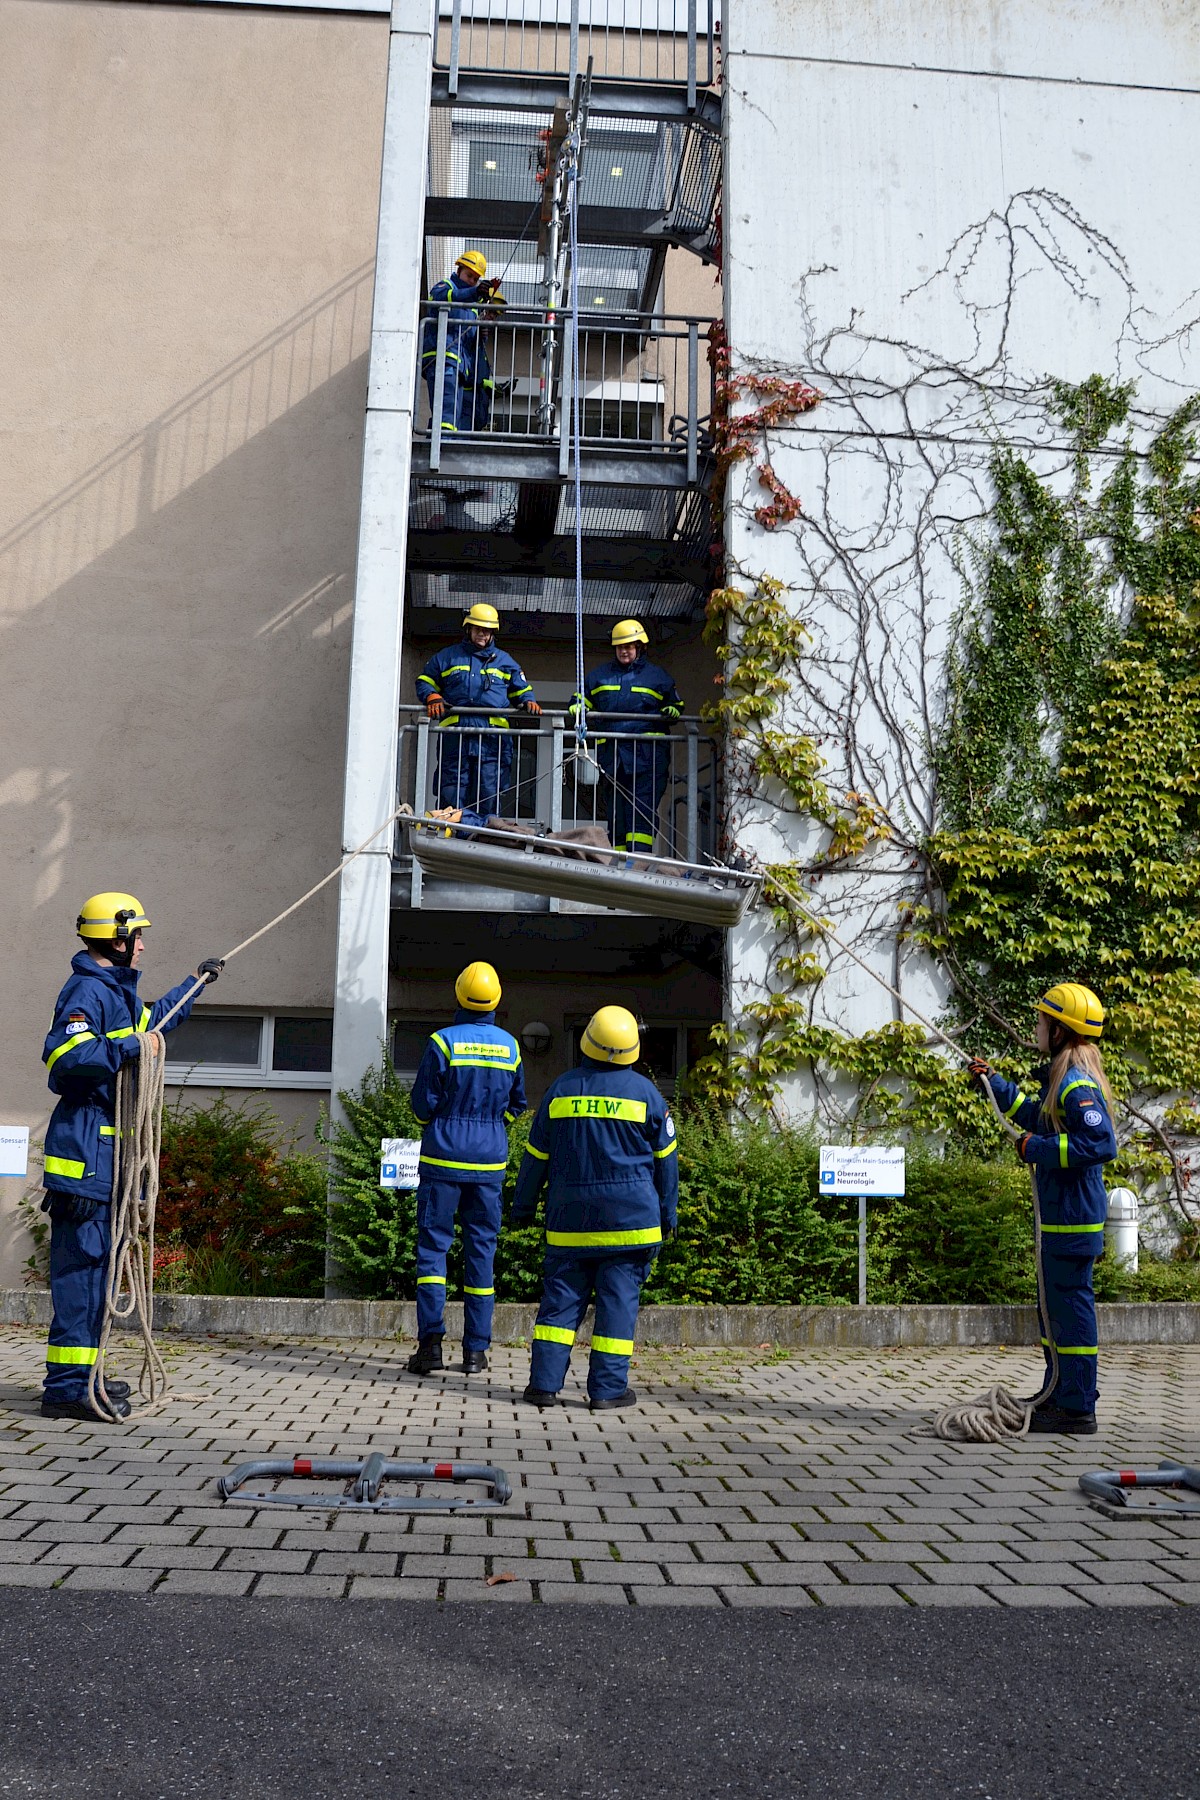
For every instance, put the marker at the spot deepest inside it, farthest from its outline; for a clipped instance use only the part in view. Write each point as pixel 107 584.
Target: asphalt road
pixel 138 1697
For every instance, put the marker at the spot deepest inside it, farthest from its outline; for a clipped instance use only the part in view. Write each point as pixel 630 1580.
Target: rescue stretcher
pixel 536 863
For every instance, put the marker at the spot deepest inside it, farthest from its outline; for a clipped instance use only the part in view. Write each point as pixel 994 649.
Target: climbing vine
pixel 1014 791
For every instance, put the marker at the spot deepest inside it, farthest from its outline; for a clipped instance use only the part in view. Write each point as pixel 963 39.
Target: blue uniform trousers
pixel 78 1254
pixel 455 394
pixel 476 1204
pixel 637 779
pixel 473 769
pixel 571 1281
pixel 1072 1326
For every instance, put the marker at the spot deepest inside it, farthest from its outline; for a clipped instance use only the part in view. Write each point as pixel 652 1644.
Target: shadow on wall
pixel 176 629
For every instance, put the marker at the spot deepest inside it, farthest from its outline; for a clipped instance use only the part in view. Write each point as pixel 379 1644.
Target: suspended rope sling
pixel 137 1122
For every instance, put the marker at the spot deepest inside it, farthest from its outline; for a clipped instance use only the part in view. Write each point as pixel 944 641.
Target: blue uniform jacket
pixel 604 1142
pixel 468 1088
pixel 641 688
pixel 466 676
pixel 95 1019
pixel 1071 1190
pixel 462 324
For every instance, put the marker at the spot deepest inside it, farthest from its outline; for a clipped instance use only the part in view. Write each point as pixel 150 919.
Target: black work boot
pixel 539 1397
pixel 426 1357
pixel 628 1398
pixel 474 1362
pixel 83 1409
pixel 116 1390
pixel 1067 1424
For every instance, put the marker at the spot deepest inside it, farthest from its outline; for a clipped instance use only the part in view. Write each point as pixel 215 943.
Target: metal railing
pixel 513 377
pixel 525 769
pixel 671 43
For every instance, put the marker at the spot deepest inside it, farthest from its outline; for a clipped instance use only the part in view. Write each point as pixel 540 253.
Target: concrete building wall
pixel 188 226
pixel 929 209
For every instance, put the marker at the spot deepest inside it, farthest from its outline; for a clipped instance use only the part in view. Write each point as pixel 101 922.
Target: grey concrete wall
pixel 188 220
pixel 841 1327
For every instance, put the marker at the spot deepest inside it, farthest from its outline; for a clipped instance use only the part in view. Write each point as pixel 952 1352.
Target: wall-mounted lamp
pixel 536 1037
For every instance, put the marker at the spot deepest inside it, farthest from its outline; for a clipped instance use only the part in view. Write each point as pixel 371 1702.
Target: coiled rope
pixel 137 1122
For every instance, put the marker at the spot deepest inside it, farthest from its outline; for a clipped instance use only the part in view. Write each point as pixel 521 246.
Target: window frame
pixel 242 1075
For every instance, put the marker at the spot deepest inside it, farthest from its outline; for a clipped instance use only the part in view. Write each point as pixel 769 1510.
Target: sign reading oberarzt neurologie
pixel 872 1171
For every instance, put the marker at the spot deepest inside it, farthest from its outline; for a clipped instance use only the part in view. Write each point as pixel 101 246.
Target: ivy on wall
pixel 1066 767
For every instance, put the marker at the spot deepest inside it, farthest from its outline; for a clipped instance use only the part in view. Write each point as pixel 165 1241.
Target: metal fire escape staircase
pixel 491 513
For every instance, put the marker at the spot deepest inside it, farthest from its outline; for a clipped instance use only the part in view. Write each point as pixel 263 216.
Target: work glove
pixel 531 706
pixel 977 1068
pixel 435 706
pixel 210 968
pixel 75 1207
pixel 1020 1144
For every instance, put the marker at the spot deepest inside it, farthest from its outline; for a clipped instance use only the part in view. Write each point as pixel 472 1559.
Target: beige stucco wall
pixel 187 224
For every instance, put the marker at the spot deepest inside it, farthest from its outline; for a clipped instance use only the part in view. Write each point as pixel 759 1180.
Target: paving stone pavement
pixel 743 1478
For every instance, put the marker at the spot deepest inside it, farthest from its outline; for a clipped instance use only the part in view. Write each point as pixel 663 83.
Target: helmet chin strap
pixel 121 950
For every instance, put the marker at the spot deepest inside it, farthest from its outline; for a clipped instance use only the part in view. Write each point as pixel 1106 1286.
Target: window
pixel 409 1038
pixel 227 1049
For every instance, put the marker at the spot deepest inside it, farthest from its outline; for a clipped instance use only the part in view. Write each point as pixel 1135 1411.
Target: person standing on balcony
pixel 478 385
pixel 469 1087
pixel 462 296
pixel 603 1143
pixel 474 768
pixel 635 762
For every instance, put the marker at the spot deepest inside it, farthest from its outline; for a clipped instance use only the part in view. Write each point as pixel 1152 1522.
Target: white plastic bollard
pixel 1121 1231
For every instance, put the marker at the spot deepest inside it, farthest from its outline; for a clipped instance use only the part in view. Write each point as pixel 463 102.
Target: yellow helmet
pixel 611 1036
pixel 629 631
pixel 108 916
pixel 478 988
pixel 474 260
pixel 483 615
pixel 1074 1006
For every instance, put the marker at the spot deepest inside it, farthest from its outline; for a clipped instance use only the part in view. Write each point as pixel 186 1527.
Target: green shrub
pixel 754 1227
pixel 239 1210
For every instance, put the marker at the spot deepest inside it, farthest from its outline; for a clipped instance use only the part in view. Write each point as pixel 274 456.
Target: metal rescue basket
pixel 535 863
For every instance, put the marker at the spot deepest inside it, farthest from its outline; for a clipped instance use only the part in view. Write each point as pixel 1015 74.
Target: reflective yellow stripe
pixel 670 1150
pixel 144 1020
pixel 431 1281
pixel 553 1334
pixel 1062 1149
pixel 602 1240
pixel 64 1165
pixel 480 1062
pixel 441 1043
pixel 71 1353
pixel 597 1106
pixel 638 837
pixel 476 1168
pixel 542 1155
pixel 1070 1228
pixel 428 678
pixel 108 1131
pixel 654 691
pixel 484 1291
pixel 607 687
pixel 1072 1085
pixel 72 1043
pixel 458 669
pixel 121 1031
pixel 1078 1349
pixel 613 1346
pixel 1019 1101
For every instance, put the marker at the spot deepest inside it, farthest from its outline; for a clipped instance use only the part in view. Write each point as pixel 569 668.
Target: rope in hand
pixel 137 1121
pixel 997 1415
